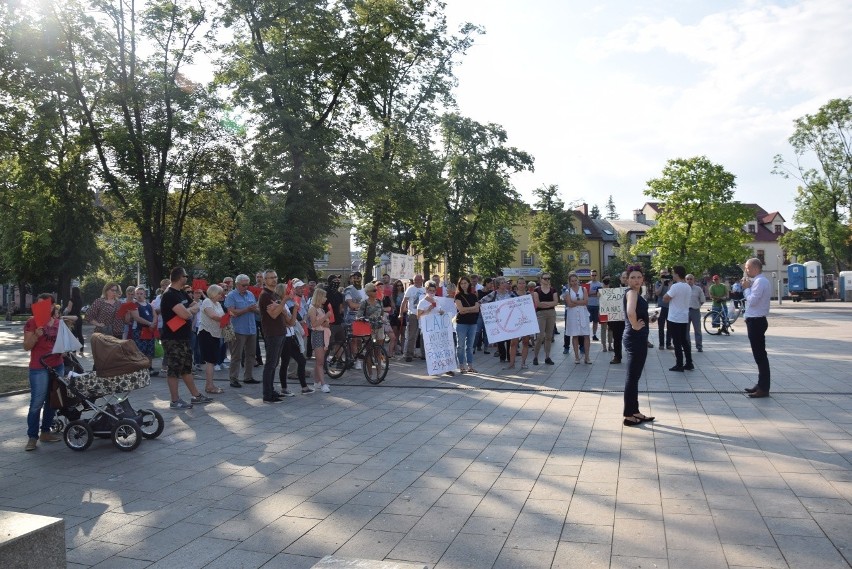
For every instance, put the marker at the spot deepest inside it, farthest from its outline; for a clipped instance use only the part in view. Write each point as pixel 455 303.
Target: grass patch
pixel 14 378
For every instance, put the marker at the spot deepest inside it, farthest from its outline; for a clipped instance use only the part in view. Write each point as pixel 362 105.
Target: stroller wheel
pixel 126 435
pixel 150 423
pixel 59 424
pixel 78 435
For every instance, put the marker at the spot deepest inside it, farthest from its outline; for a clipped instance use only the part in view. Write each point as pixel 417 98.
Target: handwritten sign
pixel 612 304
pixel 438 343
pixel 402 266
pixel 448 305
pixel 509 318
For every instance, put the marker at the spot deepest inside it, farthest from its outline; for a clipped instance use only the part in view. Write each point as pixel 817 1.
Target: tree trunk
pixel 375 224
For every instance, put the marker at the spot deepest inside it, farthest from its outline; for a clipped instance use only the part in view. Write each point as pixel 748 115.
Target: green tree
pixel 496 247
pixel 822 143
pixel 477 165
pixel 699 225
pixel 611 213
pixel 596 212
pixel 552 232
pixel 820 236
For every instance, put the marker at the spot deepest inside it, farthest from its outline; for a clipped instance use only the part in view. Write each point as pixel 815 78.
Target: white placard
pixel 509 318
pixel 611 304
pixel 437 330
pixel 448 305
pixel 402 266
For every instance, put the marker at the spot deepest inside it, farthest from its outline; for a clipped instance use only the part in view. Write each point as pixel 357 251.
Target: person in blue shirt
pixel 242 306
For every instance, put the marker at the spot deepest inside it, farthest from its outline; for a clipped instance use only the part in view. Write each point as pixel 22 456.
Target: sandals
pixel 632 421
pixel 471 370
pixel 576 361
pixel 588 361
pixel 215 390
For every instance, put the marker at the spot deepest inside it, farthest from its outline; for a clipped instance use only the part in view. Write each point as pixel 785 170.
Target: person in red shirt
pixel 39 341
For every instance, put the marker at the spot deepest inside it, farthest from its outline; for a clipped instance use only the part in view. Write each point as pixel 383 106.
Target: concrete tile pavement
pixel 525 469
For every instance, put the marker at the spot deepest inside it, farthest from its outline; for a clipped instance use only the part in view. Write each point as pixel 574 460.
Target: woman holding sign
pixel 467 304
pixel 577 320
pixel 40 334
pixel 635 344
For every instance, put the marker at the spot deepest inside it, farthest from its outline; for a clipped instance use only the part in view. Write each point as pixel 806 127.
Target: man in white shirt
pixel 695 303
pixel 413 295
pixel 757 292
pixel 678 297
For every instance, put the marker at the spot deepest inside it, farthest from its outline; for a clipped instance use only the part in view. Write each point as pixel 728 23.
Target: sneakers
pixel 236 384
pixel 594 338
pixel 408 358
pixel 273 399
pixel 325 388
pixel 31 444
pixel 287 393
pixel 689 367
pixel 180 404
pixel 47 437
pixel 200 399
pixel 699 349
pixel 217 367
pixel 535 361
pixel 307 390
pixel 251 381
pixel 565 350
pixel 358 364
pixel 676 368
pixel 548 361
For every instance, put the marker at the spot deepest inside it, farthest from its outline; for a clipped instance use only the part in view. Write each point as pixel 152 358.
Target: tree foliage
pixel 822 143
pixel 611 212
pixel 699 224
pixel 552 232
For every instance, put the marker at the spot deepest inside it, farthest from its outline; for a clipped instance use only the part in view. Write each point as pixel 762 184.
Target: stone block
pixel 30 541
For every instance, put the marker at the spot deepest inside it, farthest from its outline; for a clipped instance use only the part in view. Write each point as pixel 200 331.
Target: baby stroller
pixel 93 404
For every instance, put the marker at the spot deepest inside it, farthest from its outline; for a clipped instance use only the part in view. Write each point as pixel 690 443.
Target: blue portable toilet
pixel 796 278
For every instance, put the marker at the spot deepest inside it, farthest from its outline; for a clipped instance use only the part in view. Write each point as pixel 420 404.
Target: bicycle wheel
pixel 337 361
pixel 375 364
pixel 709 327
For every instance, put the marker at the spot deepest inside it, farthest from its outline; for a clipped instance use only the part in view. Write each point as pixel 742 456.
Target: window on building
pixel 778 229
pixel 585 258
pixel 761 254
pixel 785 257
pixel 587 231
pixel 752 228
pixel 527 259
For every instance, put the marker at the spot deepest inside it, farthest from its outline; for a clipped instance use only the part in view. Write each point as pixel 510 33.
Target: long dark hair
pixel 464 290
pixel 76 297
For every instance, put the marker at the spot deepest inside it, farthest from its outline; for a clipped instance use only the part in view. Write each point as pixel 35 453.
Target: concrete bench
pixel 28 541
pixel 332 562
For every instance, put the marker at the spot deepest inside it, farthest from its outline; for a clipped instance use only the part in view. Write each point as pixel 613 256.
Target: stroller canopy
pixel 116 357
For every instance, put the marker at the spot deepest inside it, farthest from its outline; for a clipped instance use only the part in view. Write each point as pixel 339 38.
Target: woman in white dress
pixel 577 319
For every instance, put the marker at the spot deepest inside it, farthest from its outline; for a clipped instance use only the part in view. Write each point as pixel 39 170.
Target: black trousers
pixel 503 349
pixel 291 350
pixel 680 338
pixel 617 330
pixel 665 338
pixel 757 338
pixel 636 350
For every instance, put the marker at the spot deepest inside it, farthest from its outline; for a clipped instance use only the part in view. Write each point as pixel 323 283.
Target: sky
pixel 603 93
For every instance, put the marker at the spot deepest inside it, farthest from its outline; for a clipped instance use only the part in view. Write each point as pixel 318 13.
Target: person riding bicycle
pixel 373 310
pixel 719 294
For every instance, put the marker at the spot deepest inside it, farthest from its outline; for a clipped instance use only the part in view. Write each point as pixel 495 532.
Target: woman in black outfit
pixel 635 344
pixel 73 309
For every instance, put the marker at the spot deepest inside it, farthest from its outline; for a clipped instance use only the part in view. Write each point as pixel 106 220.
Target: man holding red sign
pixel 177 310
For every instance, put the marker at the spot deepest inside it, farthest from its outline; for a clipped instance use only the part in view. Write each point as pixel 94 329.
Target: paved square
pixel 505 470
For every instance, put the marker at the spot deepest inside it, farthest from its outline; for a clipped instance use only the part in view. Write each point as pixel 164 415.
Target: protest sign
pixel 448 305
pixel 611 304
pixel 402 266
pixel 509 318
pixel 437 330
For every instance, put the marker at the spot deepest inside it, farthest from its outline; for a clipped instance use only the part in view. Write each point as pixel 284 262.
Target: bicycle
pixel 341 358
pixel 717 322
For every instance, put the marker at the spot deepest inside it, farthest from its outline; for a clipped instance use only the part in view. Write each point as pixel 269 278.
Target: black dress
pixel 636 351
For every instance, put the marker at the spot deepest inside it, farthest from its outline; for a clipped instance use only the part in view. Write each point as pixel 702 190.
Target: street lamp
pixel 780 279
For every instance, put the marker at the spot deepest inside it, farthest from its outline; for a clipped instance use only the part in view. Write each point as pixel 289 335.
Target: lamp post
pixel 780 279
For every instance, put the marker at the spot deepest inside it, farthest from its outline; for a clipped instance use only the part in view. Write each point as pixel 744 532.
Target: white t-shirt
pixel 414 294
pixel 207 323
pixel 681 294
pixel 351 293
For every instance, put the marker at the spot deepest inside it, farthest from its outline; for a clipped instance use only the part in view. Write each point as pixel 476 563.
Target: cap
pixel 332 278
pixel 297 283
pixel 715 276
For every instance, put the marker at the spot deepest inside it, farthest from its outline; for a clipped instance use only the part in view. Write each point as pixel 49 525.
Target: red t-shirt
pixel 44 345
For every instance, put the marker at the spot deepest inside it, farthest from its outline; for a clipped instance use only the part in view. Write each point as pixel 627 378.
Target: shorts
pixel 209 346
pixel 317 339
pixel 178 357
pixel 593 313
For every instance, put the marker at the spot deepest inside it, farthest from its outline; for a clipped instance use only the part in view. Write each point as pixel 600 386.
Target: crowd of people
pixel 224 325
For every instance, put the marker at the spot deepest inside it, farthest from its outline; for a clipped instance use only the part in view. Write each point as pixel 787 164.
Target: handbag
pixel 228 333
